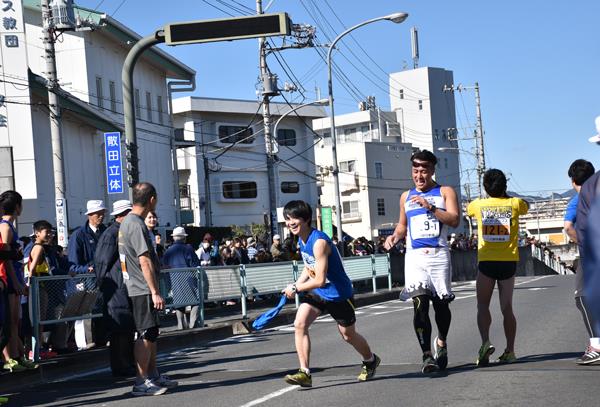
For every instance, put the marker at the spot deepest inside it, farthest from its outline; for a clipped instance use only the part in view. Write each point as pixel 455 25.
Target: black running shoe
pixel 429 365
pixel 441 354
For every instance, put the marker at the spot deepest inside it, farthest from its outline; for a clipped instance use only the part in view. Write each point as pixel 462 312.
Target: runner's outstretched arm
pixel 400 231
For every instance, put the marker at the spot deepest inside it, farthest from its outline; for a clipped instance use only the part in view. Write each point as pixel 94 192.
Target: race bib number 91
pixel 424 226
pixel 495 224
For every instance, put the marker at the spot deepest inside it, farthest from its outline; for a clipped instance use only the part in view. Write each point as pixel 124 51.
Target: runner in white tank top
pixel 426 212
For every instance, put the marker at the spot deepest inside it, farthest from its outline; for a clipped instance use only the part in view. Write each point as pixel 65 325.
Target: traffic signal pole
pixel 129 105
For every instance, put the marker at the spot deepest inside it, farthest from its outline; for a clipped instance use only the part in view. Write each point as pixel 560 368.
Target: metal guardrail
pixel 57 300
pixel 549 261
pixel 61 299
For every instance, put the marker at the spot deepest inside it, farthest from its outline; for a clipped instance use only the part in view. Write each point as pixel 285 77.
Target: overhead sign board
pixel 227 29
pixel 114 172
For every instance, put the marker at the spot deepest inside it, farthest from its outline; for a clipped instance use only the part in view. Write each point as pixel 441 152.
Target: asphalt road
pixel 248 370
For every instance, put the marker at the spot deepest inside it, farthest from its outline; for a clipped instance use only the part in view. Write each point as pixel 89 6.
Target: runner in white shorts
pixel 426 212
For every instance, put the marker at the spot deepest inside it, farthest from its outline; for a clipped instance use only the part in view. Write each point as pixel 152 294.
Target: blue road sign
pixel 114 171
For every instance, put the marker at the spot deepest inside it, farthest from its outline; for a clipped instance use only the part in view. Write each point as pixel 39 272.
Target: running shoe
pixel 440 354
pixel 429 365
pixel 368 369
pixel 148 389
pixel 28 364
pixel 13 366
pixel 301 378
pixel 507 357
pixel 165 381
pixel 590 356
pixel 486 350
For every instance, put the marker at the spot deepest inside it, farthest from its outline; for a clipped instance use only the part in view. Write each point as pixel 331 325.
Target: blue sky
pixel 537 63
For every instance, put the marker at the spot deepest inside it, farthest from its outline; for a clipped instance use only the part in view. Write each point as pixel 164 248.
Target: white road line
pixel 269 396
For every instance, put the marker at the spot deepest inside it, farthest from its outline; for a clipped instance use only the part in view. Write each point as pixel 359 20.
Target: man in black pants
pixel 117 310
pixel 579 172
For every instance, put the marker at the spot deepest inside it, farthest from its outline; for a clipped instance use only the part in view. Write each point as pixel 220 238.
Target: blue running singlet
pixel 338 286
pixel 424 229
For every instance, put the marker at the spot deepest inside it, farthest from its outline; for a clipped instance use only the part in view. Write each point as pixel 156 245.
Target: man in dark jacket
pixel 183 284
pixel 82 246
pixel 116 309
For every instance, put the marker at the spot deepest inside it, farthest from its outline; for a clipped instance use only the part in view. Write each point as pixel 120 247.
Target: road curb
pixel 93 359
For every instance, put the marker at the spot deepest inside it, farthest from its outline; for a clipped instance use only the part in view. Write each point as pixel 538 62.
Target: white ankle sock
pixel 307 371
pixel 595 343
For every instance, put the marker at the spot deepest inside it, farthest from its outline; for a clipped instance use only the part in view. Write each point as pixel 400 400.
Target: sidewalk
pixel 220 323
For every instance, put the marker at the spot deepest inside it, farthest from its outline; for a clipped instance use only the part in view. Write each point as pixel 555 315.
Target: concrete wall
pixel 464 266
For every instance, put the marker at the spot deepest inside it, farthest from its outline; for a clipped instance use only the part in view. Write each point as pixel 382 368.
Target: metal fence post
pixel 244 290
pixel 199 276
pixel 35 317
pixel 374 271
pixel 295 275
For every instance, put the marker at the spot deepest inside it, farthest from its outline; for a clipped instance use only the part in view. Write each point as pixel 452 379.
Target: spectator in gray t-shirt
pixel 140 267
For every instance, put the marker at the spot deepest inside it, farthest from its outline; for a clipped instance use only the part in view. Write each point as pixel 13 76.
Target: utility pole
pixel 479 142
pixel 207 203
pixel 55 129
pixel 269 88
pixel 479 147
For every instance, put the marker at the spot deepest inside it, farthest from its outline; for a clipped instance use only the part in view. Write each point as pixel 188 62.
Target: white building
pixel 374 170
pixel 426 114
pixel 229 135
pixel 89 67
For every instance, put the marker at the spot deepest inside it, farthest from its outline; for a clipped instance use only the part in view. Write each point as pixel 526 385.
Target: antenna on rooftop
pixel 414 39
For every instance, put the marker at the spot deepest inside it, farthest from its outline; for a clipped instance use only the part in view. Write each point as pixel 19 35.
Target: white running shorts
pixel 427 271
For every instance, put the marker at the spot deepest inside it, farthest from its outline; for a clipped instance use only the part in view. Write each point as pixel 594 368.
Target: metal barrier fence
pixel 550 261
pixel 57 300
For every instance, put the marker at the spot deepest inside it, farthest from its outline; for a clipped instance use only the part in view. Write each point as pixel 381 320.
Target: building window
pixel 239 190
pixel 446 163
pixel 436 135
pixel 379 170
pixel 401 93
pixel 380 207
pixel 350 209
pixel 149 106
pixel 113 96
pixel 348 166
pixel 159 107
pixel 236 134
pixel 178 134
pixel 365 133
pixel 290 187
pixel 444 137
pixel 138 108
pixel 99 94
pixel 420 105
pixel 286 137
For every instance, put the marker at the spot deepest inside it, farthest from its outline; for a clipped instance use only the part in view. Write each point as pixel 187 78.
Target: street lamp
pixel 395 18
pixel 320 102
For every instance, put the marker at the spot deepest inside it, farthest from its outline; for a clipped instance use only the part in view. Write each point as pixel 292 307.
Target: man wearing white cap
pixel 82 247
pixel 183 284
pixel 117 312
pixel 588 239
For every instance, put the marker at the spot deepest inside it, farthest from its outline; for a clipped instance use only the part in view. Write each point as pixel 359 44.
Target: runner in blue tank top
pixel 426 212
pixel 323 286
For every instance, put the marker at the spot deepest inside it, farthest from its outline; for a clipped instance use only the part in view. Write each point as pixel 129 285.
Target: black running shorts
pixel 342 311
pixel 498 270
pixel 145 315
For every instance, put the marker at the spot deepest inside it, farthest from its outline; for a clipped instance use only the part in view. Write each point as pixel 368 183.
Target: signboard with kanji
pixel 114 169
pixel 327 221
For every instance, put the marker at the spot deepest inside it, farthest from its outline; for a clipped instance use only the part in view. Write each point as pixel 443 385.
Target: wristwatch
pixel 294 288
pixel 432 208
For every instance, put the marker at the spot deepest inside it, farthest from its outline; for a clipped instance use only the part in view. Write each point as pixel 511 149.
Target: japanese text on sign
pixel 114 172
